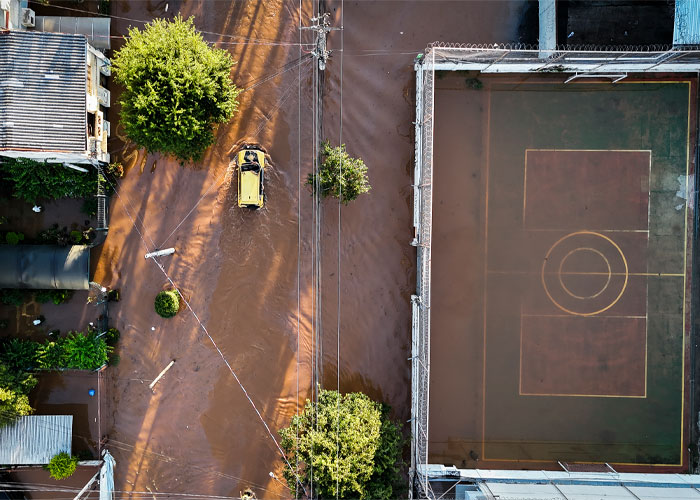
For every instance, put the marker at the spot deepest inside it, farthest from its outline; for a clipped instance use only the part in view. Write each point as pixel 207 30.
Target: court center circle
pixel 561 272
pixel 605 242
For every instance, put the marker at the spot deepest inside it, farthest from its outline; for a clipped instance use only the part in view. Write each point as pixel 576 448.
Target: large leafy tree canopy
pixel 348 444
pixel 176 87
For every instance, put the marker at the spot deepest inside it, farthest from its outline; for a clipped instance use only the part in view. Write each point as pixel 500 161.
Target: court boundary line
pixel 565 150
pixel 685 277
pixel 620 396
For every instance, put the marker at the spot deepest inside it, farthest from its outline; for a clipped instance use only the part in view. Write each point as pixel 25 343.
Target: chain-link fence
pixel 422 222
pixel 586 61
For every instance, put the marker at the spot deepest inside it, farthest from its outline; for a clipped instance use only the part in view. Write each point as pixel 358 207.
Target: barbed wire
pixel 519 46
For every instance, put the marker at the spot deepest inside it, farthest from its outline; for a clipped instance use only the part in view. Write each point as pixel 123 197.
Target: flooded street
pixel 239 270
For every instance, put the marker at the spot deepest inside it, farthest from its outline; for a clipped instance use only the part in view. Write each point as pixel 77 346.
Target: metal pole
pixel 160 375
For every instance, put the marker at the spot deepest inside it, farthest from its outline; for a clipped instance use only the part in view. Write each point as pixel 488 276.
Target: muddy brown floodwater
pixel 238 269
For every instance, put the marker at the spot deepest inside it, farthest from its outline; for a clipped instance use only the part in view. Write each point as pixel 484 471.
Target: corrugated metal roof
pixel 96 29
pixel 45 266
pixel 35 439
pixel 43 79
pixel 562 485
pixel 686 23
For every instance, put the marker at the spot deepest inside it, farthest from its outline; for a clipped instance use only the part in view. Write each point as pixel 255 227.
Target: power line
pixel 296 454
pixel 240 37
pixel 340 202
pixel 285 94
pixel 221 354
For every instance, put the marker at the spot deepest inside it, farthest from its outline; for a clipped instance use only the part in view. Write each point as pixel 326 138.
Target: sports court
pixel 561 254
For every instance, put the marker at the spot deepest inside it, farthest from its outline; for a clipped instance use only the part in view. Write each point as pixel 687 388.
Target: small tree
pixel 176 87
pixel 84 351
pixel 167 303
pixel 349 442
pixel 62 466
pixel 14 387
pixel 351 184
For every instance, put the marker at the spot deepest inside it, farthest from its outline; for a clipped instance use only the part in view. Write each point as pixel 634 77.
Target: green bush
pixel 167 303
pixel 32 180
pixel 55 296
pixel 21 354
pixel 84 351
pixel 19 381
pixel 354 448
pixel 115 170
pixel 12 296
pixel 62 466
pixel 13 238
pixel 51 355
pixel 89 207
pixel 112 336
pixel 76 237
pixel 176 88
pixel 352 183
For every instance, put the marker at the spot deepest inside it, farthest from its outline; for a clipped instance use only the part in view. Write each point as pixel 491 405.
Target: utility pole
pixel 321 25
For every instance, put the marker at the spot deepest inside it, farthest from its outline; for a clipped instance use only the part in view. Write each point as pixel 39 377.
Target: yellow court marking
pixel 624 285
pixel 585 273
pixel 621 396
pixel 588 249
pixel 685 275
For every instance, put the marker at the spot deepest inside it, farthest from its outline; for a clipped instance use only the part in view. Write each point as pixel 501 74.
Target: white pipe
pixel 159 253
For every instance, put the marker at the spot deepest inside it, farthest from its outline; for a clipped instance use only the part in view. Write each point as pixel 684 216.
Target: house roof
pixel 41 267
pixel 43 78
pixel 35 439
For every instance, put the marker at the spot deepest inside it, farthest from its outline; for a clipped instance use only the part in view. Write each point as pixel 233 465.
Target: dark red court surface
pixel 560 271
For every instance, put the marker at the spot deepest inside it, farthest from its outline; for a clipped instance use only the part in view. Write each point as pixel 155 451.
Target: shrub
pixel 51 355
pixel 350 185
pixel 62 466
pixel 32 180
pixel 76 237
pixel 167 303
pixel 21 354
pixel 89 206
pixel 84 351
pixel 111 336
pixel 176 88
pixel 15 380
pixel 12 296
pixel 115 170
pixel 13 238
pixel 366 462
pixel 55 235
pixel 55 296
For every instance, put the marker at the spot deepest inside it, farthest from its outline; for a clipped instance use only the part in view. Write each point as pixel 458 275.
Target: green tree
pixel 62 466
pixel 176 88
pixel 84 351
pixel 14 388
pixel 352 183
pixel 349 443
